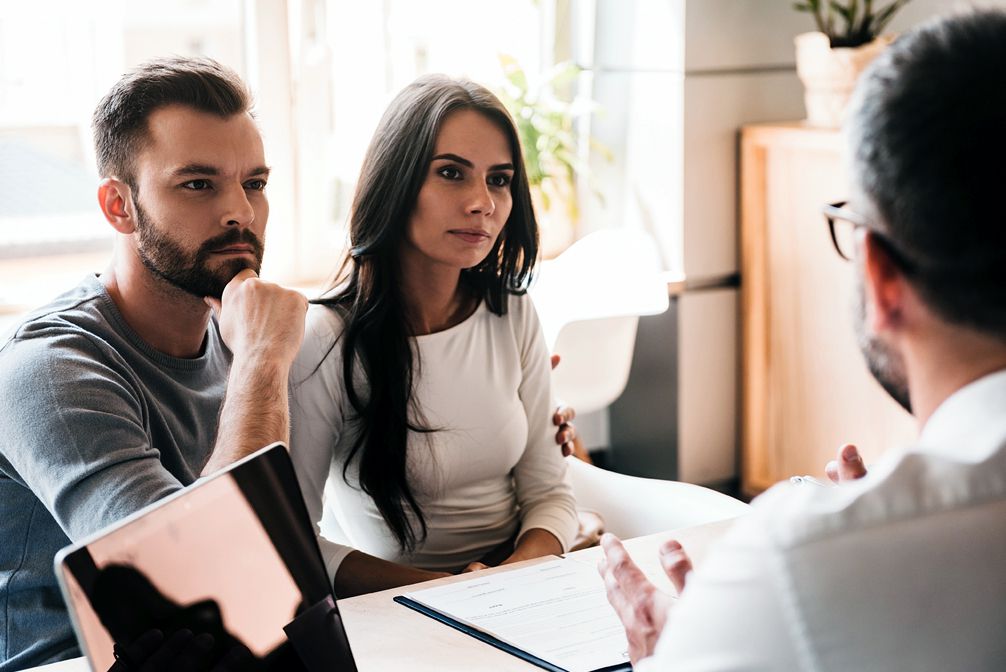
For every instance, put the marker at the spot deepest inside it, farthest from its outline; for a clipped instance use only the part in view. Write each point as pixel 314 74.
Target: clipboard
pixel 501 610
pixel 493 641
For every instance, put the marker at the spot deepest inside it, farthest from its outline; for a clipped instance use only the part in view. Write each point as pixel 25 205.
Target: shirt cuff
pixel 332 554
pixel 563 527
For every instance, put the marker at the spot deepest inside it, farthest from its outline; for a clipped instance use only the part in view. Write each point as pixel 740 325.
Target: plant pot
pixel 829 75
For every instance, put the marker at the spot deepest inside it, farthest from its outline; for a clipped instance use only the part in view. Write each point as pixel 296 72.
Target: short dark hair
pixel 928 139
pixel 120 120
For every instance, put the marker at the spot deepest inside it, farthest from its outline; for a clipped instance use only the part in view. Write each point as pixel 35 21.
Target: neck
pixel 434 298
pixel 169 320
pixel 946 359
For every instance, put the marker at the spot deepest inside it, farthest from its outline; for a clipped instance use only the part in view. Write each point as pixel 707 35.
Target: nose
pixel 480 200
pixel 238 210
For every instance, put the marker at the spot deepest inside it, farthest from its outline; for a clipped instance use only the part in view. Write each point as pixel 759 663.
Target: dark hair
pixel 120 120
pixel 377 335
pixel 928 134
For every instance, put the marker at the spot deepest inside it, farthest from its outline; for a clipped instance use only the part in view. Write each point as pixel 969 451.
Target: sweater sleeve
pixel 316 419
pixel 72 431
pixel 544 491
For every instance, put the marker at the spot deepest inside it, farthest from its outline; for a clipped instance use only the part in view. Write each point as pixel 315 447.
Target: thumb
pixel 851 465
pixel 214 304
pixel 676 564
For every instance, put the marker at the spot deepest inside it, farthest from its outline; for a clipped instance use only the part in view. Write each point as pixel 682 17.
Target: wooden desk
pixel 387 636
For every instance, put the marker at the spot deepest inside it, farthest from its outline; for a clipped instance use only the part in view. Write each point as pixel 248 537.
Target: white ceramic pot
pixel 829 75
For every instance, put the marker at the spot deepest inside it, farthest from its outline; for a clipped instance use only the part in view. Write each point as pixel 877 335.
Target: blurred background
pixel 640 103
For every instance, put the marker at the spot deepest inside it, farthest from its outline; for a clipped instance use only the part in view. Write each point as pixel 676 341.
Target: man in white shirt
pixel 904 568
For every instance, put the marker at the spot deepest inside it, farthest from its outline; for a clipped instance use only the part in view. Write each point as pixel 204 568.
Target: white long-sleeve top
pixel 902 570
pixel 491 470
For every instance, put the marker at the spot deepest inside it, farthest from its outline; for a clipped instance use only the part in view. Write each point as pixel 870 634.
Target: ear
pixel 114 197
pixel 884 283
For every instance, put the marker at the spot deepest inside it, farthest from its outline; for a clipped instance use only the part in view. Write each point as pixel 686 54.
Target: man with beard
pixel 903 568
pixel 113 395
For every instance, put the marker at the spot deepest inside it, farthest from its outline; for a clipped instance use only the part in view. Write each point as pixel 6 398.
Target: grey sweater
pixel 94 425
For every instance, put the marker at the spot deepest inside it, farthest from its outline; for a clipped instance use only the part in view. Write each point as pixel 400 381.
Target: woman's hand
pixel 565 436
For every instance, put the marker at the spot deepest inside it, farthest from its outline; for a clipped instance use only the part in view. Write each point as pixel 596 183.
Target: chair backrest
pixel 632 506
pixel 589 300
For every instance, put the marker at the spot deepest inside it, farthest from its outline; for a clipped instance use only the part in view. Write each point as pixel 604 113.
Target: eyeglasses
pixel 842 223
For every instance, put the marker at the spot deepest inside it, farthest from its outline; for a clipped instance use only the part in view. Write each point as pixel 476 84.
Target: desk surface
pixel 387 636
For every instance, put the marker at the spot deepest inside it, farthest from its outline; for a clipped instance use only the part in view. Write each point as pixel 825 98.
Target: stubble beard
pixel 886 365
pixel 191 271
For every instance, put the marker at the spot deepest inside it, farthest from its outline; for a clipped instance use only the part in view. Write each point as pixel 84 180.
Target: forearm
pixel 534 543
pixel 360 573
pixel 255 412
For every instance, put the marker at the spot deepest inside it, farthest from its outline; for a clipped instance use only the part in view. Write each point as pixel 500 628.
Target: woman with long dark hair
pixel 422 392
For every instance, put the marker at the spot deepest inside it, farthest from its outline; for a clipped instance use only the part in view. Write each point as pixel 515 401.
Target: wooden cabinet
pixel 805 387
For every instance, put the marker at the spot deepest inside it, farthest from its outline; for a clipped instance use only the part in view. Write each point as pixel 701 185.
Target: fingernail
pixel 850 454
pixel 670 547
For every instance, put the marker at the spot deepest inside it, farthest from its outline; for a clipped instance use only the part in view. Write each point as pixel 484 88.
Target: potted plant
pixel 546 124
pixel 830 60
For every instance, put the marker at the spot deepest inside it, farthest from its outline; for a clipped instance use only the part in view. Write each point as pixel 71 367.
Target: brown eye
pixel 449 172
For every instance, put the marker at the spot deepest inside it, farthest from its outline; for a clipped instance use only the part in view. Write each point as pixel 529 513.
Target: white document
pixel 555 610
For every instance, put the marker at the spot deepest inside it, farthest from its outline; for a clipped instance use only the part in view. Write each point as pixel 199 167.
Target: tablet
pixel 227 570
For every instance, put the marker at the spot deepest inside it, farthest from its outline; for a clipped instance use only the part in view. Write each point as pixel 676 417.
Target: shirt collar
pixel 970 423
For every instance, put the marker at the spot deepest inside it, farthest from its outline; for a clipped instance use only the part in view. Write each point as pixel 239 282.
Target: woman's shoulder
pixel 323 329
pixel 521 310
pixel 323 322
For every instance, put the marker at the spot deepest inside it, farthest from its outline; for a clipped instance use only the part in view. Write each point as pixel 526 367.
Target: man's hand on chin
pixel 260 319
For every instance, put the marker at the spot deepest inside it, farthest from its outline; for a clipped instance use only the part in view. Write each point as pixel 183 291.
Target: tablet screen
pixel 231 561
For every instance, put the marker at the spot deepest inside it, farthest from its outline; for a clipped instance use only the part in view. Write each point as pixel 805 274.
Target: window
pixel 321 71
pixel 54 66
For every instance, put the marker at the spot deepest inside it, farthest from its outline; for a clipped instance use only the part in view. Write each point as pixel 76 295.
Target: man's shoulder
pixel 907 487
pixel 64 339
pixel 80 310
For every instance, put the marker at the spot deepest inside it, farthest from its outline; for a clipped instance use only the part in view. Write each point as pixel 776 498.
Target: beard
pixel 192 272
pixel 885 364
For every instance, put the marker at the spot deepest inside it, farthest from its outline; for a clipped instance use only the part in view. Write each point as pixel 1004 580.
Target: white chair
pixel 633 506
pixel 589 300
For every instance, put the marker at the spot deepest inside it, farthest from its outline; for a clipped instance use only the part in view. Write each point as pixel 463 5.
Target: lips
pixel 474 236
pixel 235 249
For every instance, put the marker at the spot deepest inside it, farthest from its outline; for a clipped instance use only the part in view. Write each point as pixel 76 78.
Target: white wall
pixel 676 79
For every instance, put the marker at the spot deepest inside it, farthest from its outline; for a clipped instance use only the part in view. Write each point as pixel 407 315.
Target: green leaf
pixel 886 14
pixel 514 73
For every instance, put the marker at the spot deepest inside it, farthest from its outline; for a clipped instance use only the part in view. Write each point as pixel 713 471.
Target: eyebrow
pixel 201 169
pixel 465 162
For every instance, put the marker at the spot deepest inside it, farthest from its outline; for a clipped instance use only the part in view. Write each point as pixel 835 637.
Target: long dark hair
pixel 377 336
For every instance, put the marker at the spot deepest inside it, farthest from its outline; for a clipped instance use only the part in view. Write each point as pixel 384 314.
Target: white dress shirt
pixel 491 471
pixel 903 570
